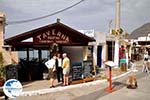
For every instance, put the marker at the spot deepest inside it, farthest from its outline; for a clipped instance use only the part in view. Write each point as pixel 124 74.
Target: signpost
pixel 110 64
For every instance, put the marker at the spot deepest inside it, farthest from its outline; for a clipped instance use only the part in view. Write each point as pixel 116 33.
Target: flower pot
pixel 2 82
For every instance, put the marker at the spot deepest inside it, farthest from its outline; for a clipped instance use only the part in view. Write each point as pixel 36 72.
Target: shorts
pixel 66 71
pixel 52 74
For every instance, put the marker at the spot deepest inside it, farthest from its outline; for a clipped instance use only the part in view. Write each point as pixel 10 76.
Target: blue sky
pixel 90 14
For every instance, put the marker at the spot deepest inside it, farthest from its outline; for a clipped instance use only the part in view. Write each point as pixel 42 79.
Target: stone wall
pixel 2 22
pixel 9 57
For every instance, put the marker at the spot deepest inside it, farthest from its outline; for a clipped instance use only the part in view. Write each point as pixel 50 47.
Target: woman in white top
pixel 146 64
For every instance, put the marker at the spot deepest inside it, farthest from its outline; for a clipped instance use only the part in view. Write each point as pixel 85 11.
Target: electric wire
pixel 42 17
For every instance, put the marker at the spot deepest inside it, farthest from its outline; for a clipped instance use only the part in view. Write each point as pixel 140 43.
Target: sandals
pixel 52 86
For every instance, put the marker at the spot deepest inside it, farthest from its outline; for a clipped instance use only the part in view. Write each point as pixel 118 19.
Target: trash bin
pixel 123 65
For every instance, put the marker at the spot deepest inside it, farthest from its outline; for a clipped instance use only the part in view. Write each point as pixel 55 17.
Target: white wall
pixel 78 53
pixel 100 41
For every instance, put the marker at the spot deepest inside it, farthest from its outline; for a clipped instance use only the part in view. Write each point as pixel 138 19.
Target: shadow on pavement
pixel 100 93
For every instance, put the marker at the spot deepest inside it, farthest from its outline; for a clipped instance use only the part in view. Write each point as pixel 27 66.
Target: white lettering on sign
pixel 52 35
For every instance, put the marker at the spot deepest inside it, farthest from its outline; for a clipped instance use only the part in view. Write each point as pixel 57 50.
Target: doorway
pixel 99 56
pixel 110 50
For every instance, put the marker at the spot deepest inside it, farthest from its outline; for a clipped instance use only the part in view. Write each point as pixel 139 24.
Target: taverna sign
pixel 51 36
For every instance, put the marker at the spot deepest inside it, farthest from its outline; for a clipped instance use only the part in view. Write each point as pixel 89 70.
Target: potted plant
pixel 1 81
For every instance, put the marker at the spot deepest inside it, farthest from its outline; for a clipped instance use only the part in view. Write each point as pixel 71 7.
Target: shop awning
pixel 144 42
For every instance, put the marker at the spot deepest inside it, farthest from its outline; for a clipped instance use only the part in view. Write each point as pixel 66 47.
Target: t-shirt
pixel 59 62
pixel 145 56
pixel 66 63
pixel 121 53
pixel 50 63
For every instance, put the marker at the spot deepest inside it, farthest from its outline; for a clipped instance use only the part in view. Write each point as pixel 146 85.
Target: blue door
pixel 99 56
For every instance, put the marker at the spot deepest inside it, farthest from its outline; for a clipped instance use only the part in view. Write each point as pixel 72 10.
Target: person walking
pixel 59 68
pixel 66 69
pixel 51 64
pixel 146 63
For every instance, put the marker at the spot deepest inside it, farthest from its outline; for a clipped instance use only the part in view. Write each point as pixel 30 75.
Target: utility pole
pixel 110 22
pixel 116 57
pixel 117 14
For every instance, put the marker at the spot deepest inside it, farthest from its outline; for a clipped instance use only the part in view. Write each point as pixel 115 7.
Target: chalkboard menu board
pixel 76 71
pixel 11 72
pixel 87 68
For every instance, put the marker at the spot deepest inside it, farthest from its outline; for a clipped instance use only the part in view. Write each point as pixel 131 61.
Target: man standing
pixel 59 68
pixel 51 64
pixel 66 69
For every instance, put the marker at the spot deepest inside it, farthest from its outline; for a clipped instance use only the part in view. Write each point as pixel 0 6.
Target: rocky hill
pixel 141 31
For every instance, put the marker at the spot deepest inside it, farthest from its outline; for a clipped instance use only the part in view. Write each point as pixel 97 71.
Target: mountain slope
pixel 141 31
